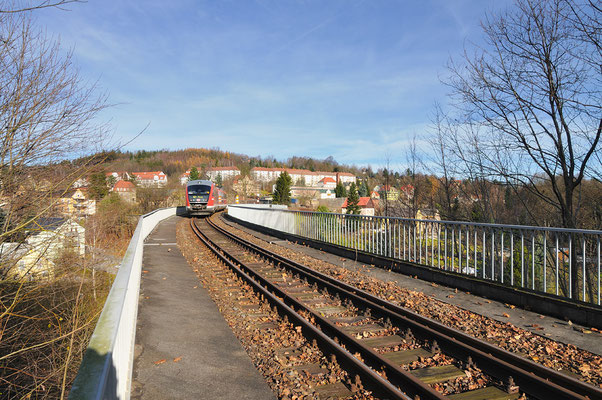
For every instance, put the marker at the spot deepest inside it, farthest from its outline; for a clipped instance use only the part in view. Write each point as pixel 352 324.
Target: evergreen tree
pixel 98 186
pixel 111 180
pixel 194 174
pixel 363 190
pixel 282 193
pixel 353 200
pixel 340 190
pixel 218 180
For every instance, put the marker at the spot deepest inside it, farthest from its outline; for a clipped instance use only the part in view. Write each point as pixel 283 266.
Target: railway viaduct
pixel 263 303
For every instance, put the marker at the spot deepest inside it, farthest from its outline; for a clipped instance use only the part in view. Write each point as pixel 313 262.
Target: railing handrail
pixel 480 224
pixel 566 262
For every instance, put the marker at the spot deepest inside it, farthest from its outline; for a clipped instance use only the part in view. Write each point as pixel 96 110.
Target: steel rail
pixel 344 357
pixel 411 384
pixel 533 378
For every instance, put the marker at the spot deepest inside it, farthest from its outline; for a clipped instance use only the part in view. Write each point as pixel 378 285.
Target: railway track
pixel 395 352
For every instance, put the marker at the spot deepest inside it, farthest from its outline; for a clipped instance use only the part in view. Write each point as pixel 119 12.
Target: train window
pixel 199 189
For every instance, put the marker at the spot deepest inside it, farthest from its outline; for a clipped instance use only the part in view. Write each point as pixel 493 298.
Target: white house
pixel 328 183
pixel 309 178
pixel 151 178
pixel 185 177
pixel 367 206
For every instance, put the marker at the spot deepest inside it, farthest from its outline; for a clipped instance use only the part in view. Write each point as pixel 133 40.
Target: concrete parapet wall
pixel 106 370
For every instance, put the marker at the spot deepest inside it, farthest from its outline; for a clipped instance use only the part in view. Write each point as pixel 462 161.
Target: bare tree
pixel 442 163
pixel 46 115
pixel 536 98
pixel 532 101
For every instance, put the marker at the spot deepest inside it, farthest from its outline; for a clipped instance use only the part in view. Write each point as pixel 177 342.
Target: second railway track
pixel 394 351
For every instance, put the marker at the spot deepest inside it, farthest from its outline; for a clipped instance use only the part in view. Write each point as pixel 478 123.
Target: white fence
pixel 563 262
pixel 106 370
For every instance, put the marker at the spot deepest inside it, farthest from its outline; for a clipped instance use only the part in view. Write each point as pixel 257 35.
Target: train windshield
pixel 199 190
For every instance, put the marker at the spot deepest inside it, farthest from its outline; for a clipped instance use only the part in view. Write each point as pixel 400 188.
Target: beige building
pixel 126 190
pixel 427 214
pixel 76 204
pixel 224 172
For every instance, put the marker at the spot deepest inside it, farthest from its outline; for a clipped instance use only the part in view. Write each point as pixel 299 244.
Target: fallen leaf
pixel 177 359
pixel 160 362
pixel 506 315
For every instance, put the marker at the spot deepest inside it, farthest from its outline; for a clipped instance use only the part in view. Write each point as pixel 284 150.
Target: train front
pixel 199 198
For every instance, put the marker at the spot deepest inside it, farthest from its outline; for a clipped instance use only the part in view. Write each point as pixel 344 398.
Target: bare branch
pixel 18 7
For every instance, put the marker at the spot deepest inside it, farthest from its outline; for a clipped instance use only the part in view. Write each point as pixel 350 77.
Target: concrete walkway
pixel 181 325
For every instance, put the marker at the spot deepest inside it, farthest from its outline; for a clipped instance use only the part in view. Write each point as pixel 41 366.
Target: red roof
pixel 126 185
pixel 149 175
pixel 363 202
pixel 328 180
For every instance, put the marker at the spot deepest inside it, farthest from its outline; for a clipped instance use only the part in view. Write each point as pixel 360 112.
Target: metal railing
pixel 558 261
pixel 106 370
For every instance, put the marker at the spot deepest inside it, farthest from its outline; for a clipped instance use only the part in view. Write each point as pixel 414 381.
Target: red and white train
pixel 204 198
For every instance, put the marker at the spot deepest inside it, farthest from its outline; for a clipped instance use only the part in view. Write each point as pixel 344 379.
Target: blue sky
pixel 351 79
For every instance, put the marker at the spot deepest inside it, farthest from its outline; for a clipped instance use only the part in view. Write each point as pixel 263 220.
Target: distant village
pixel 311 190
